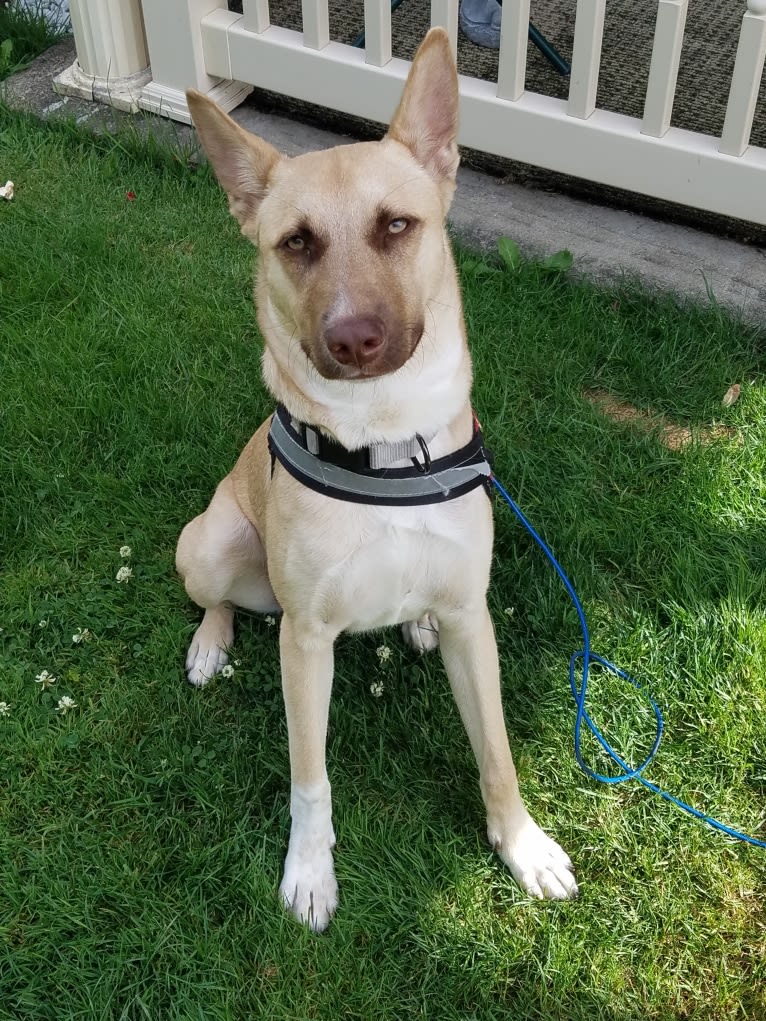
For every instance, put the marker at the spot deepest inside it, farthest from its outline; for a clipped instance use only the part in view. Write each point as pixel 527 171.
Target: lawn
pixel 142 831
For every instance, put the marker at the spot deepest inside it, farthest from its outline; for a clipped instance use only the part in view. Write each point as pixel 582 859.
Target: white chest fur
pixel 361 567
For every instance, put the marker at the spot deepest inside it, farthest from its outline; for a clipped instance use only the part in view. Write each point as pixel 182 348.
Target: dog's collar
pixel 362 476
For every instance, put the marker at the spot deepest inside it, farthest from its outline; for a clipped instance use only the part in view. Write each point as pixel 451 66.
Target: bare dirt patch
pixel 670 434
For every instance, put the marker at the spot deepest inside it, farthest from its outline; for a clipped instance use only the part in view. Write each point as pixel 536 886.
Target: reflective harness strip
pixel 349 475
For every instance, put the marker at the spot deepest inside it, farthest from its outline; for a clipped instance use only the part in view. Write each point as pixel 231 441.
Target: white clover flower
pixel 271 621
pixel 376 688
pixel 124 574
pixel 45 680
pixel 5 709
pixel 509 611
pixel 237 662
pixel 43 623
pixel 65 704
pixel 228 671
pixel 125 552
pixel 83 635
pixel 384 653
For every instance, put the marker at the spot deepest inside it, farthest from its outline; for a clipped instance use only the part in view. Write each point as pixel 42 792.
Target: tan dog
pixel 359 306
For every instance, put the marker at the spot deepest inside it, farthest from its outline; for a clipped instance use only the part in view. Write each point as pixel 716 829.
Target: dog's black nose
pixel 355 340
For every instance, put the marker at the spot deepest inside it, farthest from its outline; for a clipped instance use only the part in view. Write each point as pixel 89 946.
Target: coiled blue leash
pixel 579 694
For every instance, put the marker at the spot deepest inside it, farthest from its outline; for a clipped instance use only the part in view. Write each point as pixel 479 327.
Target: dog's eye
pixel 296 243
pixel 398 225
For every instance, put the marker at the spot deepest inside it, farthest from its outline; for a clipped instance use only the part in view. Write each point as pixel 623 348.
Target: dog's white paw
pixel 537 863
pixel 309 889
pixel 422 635
pixel 207 654
pixel 202 664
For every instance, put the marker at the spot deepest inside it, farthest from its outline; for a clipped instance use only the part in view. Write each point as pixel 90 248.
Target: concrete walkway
pixel 607 244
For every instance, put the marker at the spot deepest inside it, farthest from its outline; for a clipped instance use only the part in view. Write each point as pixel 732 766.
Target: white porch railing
pixel 200 43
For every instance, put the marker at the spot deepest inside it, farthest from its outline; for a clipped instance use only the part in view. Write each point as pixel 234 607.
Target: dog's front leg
pixel 469 651
pixel 308 887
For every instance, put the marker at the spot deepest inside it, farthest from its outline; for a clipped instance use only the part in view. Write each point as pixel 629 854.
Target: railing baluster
pixel 514 31
pixel 586 57
pixel 256 15
pixel 377 32
pixel 444 13
pixel 663 72
pixel 746 80
pixel 316 24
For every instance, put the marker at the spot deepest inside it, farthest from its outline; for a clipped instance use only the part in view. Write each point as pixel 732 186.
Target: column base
pixel 121 93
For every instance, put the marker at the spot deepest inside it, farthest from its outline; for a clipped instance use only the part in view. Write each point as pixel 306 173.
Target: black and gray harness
pixel 362 476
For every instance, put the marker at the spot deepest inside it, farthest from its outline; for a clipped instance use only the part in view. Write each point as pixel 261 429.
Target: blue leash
pixel 588 657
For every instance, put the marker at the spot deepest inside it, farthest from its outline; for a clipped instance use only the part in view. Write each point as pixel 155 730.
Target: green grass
pixel 24 34
pixel 142 834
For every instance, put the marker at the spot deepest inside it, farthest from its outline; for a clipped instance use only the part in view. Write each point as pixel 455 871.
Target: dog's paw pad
pixel 538 864
pixel 422 635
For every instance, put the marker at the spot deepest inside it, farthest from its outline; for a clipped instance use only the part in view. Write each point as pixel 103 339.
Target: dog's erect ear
pixel 242 162
pixel 426 118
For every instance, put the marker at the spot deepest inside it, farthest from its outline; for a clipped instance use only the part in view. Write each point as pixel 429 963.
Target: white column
pixel 746 80
pixel 112 60
pixel 174 39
